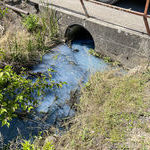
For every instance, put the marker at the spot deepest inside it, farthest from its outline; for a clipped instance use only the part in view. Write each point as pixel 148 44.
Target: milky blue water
pixel 73 66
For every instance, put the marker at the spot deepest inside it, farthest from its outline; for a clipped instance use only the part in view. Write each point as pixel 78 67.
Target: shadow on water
pixel 72 65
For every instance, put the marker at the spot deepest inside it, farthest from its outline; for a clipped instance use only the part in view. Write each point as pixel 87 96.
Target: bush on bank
pixel 19 94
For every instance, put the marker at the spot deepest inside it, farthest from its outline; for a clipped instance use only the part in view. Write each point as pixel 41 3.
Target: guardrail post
pixel 84 8
pixel 145 16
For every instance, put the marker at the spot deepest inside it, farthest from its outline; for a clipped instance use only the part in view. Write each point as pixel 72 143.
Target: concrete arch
pixel 78 32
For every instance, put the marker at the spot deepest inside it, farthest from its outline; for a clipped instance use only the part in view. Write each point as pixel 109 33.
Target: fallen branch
pixel 17 9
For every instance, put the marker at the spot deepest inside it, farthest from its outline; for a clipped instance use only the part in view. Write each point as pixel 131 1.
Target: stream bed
pixel 71 65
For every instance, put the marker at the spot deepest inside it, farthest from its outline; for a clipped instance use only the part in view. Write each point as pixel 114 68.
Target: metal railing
pixel 144 14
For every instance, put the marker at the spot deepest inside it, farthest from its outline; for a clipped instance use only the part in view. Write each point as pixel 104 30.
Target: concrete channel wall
pixel 129 47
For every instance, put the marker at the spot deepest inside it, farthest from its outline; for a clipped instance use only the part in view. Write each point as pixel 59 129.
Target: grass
pixel 18 49
pixel 24 48
pixel 114 110
pixel 113 114
pixel 49 22
pixel 105 58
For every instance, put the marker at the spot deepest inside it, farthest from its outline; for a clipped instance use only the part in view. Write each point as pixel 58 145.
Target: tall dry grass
pixel 19 49
pixel 113 114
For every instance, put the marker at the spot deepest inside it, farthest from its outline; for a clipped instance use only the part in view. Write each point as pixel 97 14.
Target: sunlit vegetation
pixel 105 58
pixel 19 94
pixel 24 48
pixel 113 114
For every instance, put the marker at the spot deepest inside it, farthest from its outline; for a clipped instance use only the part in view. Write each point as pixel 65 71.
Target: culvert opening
pixel 78 33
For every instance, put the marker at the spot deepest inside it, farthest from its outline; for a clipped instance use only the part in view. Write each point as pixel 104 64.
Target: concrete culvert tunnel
pixel 77 32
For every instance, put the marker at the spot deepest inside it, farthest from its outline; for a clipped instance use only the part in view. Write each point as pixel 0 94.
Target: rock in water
pixel 75 50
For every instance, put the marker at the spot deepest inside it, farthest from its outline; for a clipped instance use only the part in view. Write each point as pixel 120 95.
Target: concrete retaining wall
pixel 126 46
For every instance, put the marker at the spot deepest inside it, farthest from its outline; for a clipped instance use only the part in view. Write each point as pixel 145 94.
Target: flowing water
pixel 73 66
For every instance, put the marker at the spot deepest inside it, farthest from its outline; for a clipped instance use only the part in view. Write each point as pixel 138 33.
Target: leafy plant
pixel 107 59
pixel 48 146
pixel 31 22
pixel 94 53
pixel 26 145
pixel 3 12
pixel 19 94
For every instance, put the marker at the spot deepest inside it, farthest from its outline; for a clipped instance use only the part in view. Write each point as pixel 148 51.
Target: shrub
pixel 18 94
pixel 48 146
pixel 27 145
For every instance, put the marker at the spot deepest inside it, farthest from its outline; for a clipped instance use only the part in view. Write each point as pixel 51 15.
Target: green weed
pixel 94 53
pixel 31 22
pixel 109 113
pixel 106 59
pixel 49 23
pixel 26 145
pixel 48 146
pixel 3 12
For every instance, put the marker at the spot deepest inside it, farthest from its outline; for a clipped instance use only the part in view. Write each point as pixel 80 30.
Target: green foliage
pixel 113 114
pixel 31 22
pixel 23 48
pixel 18 94
pixel 3 12
pixel 45 25
pixel 48 146
pixel 105 58
pixel 49 23
pixel 26 145
pixel 94 53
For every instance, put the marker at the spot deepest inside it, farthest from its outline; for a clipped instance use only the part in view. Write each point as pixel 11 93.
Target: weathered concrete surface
pixel 120 40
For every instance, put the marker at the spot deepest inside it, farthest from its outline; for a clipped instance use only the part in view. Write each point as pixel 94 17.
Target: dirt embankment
pixel 24 39
pixel 11 26
pixel 11 21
